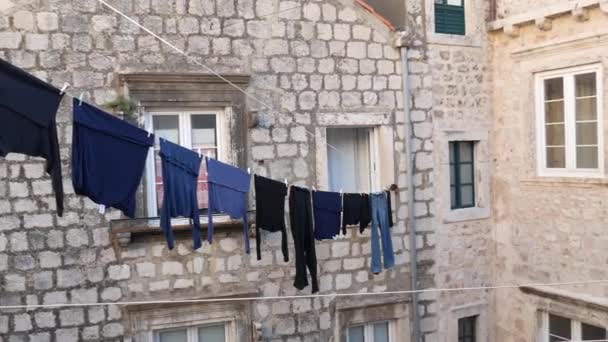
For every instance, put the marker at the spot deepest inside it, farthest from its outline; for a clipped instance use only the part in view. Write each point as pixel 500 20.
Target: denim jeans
pixel 380 229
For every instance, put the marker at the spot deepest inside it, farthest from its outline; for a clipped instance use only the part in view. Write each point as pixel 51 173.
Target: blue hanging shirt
pixel 327 208
pixel 228 188
pixel 180 176
pixel 108 157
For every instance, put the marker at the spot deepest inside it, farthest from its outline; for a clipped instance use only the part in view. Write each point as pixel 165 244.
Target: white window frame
pixel 570 124
pixel 374 159
pixel 368 330
pixel 576 327
pixel 185 130
pixel 192 331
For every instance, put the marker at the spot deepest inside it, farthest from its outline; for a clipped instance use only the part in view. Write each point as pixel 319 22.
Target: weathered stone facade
pixel 308 63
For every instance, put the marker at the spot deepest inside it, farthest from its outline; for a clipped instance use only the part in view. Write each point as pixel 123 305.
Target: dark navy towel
pixel 357 210
pixel 108 157
pixel 327 207
pixel 228 188
pixel 28 108
pixel 180 176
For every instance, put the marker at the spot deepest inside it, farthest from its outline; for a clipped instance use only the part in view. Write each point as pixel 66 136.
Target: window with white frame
pixel 198 131
pixel 352 160
pixel 206 333
pixel 556 328
pixel 569 122
pixel 370 332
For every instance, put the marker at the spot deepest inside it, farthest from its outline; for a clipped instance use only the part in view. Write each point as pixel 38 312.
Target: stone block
pixel 111 294
pixel 119 272
pixel 285 326
pixel 276 47
pixel 343 281
pixel 38 221
pixel 90 333
pixel 22 322
pixel 77 237
pixel 84 295
pixel 67 335
pixel 24 262
pixel 96 314
pixel 70 277
pixel 49 259
pixel 71 317
pixel 23 20
pixel 55 297
pixel 172 268
pixel 104 23
pixel 183 283
pixel 45 319
pixel 146 269
pixel 14 283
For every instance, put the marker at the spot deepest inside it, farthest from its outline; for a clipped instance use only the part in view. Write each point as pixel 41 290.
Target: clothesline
pixel 311 296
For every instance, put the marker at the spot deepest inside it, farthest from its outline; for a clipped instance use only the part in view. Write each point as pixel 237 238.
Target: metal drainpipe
pixel 410 194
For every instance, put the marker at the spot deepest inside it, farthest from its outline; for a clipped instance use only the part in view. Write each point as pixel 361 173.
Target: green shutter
pixel 449 19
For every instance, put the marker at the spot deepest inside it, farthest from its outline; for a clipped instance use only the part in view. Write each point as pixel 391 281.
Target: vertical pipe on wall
pixel 410 194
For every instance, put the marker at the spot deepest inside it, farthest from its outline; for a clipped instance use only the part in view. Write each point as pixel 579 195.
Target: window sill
pixel 577 182
pixel 123 231
pixel 466 214
pixel 453 39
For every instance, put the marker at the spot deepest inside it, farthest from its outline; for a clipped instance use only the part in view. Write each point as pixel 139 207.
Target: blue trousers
pixel 381 229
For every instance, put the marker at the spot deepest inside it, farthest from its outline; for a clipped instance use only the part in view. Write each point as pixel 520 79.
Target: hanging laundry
pixel 108 157
pixel 380 230
pixel 390 209
pixel 327 208
pixel 270 211
pixel 228 188
pixel 357 210
pixel 301 219
pixel 180 168
pixel 28 107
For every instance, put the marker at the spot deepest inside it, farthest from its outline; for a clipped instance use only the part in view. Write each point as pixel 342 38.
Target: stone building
pixel 316 74
pixel 506 103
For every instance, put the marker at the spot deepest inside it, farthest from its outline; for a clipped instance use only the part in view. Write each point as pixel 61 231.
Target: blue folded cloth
pixel 228 188
pixel 108 157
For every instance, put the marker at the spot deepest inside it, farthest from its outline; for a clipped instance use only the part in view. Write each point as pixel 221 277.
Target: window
pixel 199 131
pixel 449 17
pixel 352 159
pixel 462 174
pixel 557 328
pixel 570 122
pixel 209 333
pixel 371 332
pixel 467 327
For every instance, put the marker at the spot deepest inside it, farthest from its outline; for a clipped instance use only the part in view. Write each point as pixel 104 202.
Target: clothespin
pixel 249 170
pixel 199 153
pixel 80 98
pixel 286 182
pixel 149 133
pixel 313 189
pixel 64 88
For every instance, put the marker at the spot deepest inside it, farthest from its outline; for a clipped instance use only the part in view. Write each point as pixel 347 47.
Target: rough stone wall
pixel 547 229
pixel 321 57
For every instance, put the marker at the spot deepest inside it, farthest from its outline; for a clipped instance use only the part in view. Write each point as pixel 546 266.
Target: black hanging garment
pixel 300 216
pixel 357 210
pixel 28 108
pixel 390 209
pixel 270 211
